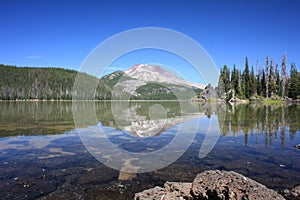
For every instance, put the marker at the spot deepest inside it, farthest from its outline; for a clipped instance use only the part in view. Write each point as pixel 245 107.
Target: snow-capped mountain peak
pixel 142 71
pixel 154 73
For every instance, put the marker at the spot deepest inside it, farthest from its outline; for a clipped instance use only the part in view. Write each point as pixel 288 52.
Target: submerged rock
pixel 124 176
pixel 213 184
pixel 295 192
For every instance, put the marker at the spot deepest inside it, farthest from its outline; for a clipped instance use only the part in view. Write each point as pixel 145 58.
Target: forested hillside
pixel 45 83
pixel 156 91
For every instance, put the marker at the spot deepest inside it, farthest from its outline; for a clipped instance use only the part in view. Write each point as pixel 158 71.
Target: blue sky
pixel 61 33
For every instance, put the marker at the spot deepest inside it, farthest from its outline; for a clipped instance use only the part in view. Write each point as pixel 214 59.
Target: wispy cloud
pixel 33 57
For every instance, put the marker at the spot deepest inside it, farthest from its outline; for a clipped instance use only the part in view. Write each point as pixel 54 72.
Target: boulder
pixel 229 185
pixel 213 184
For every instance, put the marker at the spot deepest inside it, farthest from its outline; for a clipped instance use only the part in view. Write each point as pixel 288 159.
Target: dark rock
pixel 229 185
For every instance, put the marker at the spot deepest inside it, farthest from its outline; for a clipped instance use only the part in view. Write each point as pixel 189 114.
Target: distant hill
pixel 43 83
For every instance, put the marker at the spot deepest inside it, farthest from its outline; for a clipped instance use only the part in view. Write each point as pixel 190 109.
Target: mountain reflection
pixel 144 119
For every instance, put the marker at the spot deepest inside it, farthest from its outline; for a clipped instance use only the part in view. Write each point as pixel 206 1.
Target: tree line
pixel 272 81
pixel 24 83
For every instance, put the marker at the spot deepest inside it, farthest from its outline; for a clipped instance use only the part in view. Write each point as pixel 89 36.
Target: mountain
pixel 144 81
pixel 154 73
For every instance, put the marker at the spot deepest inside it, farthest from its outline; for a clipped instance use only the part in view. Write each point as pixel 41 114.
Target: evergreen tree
pixel 267 77
pixel 224 82
pixel 283 76
pixel 263 84
pixel 246 79
pixel 258 82
pixel 277 76
pixel 294 84
pixel 226 78
pixel 253 87
pixel 240 90
pixel 272 79
pixel 221 86
pixel 234 80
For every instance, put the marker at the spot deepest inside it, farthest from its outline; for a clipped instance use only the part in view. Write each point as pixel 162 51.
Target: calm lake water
pixel 42 155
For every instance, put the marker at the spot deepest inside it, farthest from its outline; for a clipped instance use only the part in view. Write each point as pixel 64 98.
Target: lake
pixel 56 150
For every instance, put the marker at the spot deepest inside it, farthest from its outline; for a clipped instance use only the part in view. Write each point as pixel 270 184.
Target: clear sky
pixel 61 33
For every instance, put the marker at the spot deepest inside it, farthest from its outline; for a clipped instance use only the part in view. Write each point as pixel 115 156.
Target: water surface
pixel 42 155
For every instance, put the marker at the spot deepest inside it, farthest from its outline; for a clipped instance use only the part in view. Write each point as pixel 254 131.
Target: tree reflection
pixel 271 121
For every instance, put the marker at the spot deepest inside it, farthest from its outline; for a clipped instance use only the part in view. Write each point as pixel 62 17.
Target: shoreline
pixel 248 101
pixel 207 101
pixel 92 100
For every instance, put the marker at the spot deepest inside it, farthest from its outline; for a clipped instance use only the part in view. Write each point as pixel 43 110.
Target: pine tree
pixel 258 83
pixel 272 79
pixel 246 79
pixel 258 79
pixel 263 84
pixel 239 91
pixel 267 77
pixel 293 89
pixel 277 76
pixel 252 83
pixel 283 75
pixel 234 80
pixel 221 86
pixel 226 78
